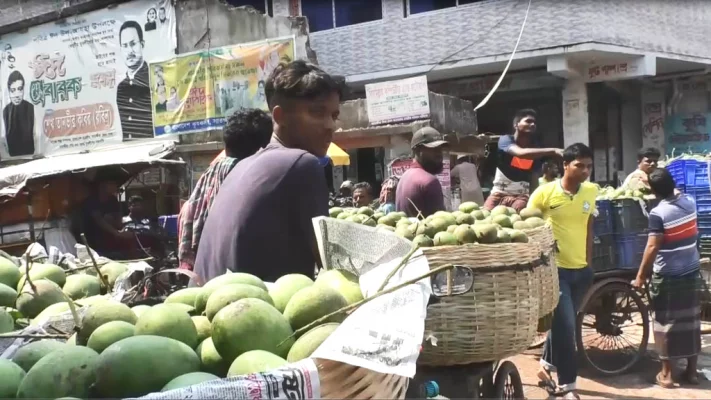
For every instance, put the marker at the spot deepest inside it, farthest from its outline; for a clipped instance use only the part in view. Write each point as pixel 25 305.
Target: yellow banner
pixel 198 91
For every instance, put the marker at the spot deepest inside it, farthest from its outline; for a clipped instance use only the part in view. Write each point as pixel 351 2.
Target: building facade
pixel 608 73
pixel 616 75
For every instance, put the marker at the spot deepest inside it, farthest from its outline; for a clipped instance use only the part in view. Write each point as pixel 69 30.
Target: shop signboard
pixel 620 70
pixel 397 101
pixel 400 165
pixel 196 92
pixel 688 133
pixel 82 82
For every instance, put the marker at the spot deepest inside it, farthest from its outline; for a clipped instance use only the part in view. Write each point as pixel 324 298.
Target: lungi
pixel 677 314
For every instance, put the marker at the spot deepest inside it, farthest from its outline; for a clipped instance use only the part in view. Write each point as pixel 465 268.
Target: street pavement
pixel 637 384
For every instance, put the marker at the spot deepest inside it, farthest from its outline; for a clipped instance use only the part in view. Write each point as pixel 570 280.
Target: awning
pixel 338 156
pixel 14 178
pixel 335 153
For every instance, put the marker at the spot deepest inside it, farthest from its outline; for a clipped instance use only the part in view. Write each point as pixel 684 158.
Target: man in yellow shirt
pixel 568 204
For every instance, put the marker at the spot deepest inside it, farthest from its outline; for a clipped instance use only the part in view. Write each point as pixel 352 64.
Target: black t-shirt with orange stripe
pixel 514 168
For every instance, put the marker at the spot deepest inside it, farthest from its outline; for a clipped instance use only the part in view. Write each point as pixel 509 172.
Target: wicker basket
pixel 548 275
pixel 345 381
pixel 497 318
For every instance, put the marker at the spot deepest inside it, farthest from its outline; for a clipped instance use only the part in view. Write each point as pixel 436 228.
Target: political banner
pixel 197 91
pixel 82 82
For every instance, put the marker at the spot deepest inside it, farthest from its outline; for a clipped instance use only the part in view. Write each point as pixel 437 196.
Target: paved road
pixel 635 385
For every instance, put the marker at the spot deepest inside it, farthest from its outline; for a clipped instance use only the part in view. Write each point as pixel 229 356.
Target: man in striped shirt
pixel 676 284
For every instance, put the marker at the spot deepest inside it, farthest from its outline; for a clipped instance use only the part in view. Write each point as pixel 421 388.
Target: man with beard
pixel 133 95
pixel 419 188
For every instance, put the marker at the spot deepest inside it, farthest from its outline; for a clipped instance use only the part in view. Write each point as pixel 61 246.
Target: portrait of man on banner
pixel 133 95
pixel 19 118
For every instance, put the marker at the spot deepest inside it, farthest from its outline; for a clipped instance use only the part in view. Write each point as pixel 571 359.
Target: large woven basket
pixel 548 275
pixel 345 381
pixel 497 318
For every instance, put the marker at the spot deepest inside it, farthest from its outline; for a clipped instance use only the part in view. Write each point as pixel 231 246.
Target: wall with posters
pixel 82 82
pixel 195 92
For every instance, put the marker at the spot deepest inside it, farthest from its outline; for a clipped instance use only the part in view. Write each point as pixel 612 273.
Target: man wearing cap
pixel 419 189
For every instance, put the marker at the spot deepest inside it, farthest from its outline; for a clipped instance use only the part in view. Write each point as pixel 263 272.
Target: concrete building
pixel 607 73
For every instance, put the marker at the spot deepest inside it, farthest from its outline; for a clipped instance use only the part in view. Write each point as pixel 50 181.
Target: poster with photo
pixel 82 82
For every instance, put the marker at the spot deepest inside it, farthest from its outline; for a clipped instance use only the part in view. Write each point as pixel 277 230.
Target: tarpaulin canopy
pixel 335 154
pixel 14 178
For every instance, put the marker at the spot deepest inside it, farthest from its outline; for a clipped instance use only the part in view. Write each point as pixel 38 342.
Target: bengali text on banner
pixel 82 83
pixel 197 91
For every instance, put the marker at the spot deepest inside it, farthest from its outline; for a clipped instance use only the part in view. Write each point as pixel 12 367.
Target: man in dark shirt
pixel 261 219
pixel 133 94
pixel 101 220
pixel 19 117
pixel 419 188
pixel 518 165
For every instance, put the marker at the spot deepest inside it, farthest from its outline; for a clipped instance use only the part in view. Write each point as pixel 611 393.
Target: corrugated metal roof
pixel 14 178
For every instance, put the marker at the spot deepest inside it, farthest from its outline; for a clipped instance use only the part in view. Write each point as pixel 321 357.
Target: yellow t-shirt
pixel 569 215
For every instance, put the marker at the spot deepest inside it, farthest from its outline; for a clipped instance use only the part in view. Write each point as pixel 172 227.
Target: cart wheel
pixel 508 383
pixel 486 386
pixel 612 329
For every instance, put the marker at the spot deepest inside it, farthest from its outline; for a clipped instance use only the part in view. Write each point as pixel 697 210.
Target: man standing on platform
pixel 568 204
pixel 518 162
pixel 419 189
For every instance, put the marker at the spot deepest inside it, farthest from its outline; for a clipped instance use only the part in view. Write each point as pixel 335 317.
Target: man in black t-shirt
pixel 261 219
pixel 518 166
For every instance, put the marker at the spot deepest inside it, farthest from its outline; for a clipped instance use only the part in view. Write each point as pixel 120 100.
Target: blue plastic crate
pixel 702 196
pixel 628 217
pixel 603 222
pixel 630 248
pixel 603 258
pixel 169 223
pixel 689 173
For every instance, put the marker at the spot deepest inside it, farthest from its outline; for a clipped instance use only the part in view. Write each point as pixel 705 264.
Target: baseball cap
pixel 428 137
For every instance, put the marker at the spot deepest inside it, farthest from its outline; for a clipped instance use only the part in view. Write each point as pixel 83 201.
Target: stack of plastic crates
pixel 604 243
pixel 630 224
pixel 692 177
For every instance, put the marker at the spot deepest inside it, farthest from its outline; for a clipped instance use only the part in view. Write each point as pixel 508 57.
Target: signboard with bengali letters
pixel 398 101
pixel 82 82
pixel 620 70
pixel 196 92
pixel 688 133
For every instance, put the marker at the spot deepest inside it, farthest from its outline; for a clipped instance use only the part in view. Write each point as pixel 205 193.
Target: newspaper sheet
pixel 297 381
pixel 384 334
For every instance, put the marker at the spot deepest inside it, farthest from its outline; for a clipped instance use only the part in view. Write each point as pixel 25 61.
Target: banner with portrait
pixel 82 82
pixel 197 91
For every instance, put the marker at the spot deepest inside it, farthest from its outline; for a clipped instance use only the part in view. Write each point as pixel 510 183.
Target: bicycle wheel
pixel 612 329
pixel 508 384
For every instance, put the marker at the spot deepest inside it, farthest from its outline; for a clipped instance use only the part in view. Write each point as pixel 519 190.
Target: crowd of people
pixel 251 211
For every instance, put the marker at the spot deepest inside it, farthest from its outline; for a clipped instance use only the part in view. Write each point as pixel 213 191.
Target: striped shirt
pixel 675 220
